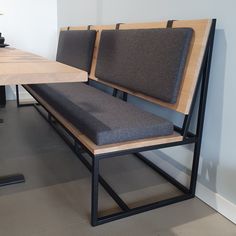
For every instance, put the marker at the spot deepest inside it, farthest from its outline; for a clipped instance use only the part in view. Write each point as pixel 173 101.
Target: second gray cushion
pixel 149 61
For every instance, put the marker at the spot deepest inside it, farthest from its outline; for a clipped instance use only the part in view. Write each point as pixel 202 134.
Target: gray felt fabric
pixel 103 118
pixel 75 48
pixel 149 61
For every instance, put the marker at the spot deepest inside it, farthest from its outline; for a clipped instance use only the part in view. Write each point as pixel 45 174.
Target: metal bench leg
pixel 94 197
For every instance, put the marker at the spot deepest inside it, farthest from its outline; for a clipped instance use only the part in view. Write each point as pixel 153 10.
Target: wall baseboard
pixel 214 200
pixel 217 202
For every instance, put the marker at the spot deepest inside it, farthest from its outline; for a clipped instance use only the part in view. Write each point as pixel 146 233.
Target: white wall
pixel 31 26
pixel 77 12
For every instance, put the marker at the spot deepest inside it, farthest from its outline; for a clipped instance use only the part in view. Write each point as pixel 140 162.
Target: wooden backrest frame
pixel 193 65
pixel 99 29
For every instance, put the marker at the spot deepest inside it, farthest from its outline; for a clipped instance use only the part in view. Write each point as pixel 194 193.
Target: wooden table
pixel 19 67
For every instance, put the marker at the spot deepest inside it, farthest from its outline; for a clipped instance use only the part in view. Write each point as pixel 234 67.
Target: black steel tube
pixel 2 96
pixel 94 197
pixel 137 210
pixel 115 91
pixel 18 99
pixel 125 96
pixel 163 173
pixel 180 131
pixel 105 185
pixel 17 96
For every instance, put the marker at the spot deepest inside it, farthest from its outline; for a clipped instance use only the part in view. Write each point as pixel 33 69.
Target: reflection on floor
pixel 55 200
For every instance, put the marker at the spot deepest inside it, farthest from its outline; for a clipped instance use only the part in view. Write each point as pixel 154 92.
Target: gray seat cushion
pixel 149 61
pixel 101 117
pixel 75 48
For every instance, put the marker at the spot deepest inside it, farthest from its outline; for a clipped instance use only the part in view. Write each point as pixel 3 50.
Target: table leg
pixel 11 179
pixel 2 96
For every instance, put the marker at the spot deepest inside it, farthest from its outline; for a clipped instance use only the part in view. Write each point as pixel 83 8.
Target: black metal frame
pixel 188 137
pixel 13 178
pixel 2 96
pixel 2 99
pixel 18 103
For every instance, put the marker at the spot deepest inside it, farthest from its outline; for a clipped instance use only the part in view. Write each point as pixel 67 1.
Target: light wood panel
pixel 64 28
pixel 201 32
pixel 19 67
pixel 141 143
pixel 78 28
pixel 95 149
pixel 99 29
pixel 146 25
pixel 74 28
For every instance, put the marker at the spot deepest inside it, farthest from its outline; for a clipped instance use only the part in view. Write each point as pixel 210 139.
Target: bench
pixel 166 63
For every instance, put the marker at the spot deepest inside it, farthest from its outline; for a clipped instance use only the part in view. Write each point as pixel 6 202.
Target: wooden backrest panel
pixel 99 29
pixel 201 32
pixel 196 53
pixel 148 25
pixel 74 28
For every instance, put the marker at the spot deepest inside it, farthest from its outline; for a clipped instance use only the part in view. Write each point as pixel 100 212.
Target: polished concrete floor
pixel 55 200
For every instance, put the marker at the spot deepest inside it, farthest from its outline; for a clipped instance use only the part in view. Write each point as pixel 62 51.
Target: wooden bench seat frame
pixel 79 147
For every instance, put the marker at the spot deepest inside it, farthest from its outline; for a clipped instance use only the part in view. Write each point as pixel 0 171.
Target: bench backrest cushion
pixel 148 61
pixel 75 48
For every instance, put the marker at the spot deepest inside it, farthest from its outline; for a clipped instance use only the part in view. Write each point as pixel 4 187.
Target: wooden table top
pixel 19 67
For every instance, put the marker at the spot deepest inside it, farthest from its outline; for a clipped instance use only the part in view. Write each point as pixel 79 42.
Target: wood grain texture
pixel 19 67
pixel 198 45
pixel 99 29
pixel 201 33
pixel 97 150
pixel 74 28
pixel 78 28
pixel 147 25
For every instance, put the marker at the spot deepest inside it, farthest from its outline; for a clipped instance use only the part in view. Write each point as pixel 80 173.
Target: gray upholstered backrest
pixel 148 61
pixel 75 48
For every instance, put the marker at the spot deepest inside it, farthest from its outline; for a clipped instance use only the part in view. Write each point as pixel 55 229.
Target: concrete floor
pixel 55 200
